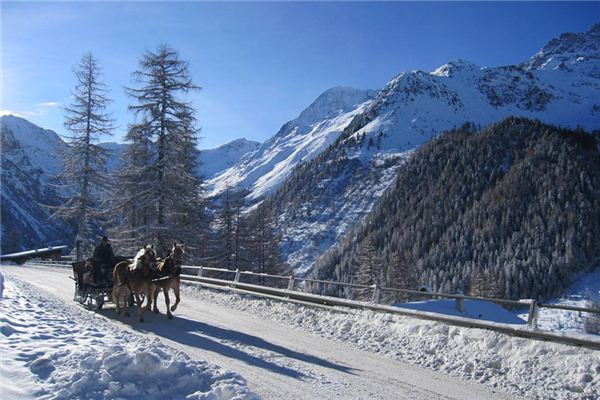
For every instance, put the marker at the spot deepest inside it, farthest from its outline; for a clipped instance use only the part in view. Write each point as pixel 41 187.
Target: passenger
pixel 88 273
pixel 103 259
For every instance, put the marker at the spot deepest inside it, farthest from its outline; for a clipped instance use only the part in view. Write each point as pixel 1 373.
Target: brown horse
pixel 121 290
pixel 137 278
pixel 169 271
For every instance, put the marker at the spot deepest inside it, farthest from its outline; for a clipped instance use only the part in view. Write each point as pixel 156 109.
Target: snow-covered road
pixel 277 361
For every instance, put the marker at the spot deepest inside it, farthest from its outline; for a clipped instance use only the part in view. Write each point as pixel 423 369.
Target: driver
pixel 103 258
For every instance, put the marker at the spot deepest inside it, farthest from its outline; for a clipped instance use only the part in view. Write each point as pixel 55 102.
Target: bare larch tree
pixel 159 197
pixel 83 177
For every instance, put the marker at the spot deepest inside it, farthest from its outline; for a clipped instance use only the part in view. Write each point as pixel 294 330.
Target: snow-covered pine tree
pixel 400 275
pixel 370 267
pixel 231 235
pixel 164 200
pixel 83 176
pixel 263 252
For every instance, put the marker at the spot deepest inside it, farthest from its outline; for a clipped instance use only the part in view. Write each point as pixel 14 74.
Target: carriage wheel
pixel 99 302
pixel 132 299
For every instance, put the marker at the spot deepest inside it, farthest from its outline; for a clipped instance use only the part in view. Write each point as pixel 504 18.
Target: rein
pixel 173 269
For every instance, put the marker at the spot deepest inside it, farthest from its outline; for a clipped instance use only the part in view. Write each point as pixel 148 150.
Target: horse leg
pixel 149 295
pixel 126 293
pixel 138 301
pixel 167 301
pixel 176 290
pixel 115 297
pixel 156 291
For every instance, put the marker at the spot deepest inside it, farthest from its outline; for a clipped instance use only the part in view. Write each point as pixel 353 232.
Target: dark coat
pixel 103 254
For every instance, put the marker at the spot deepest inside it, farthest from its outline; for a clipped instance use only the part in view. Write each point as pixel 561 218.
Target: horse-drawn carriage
pixel 94 294
pixel 127 282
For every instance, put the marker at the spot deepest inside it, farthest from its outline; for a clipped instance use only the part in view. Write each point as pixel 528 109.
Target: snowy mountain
pixel 42 146
pixel 30 157
pixel 510 211
pixel 215 161
pixel 299 140
pixel 325 196
pixel 211 161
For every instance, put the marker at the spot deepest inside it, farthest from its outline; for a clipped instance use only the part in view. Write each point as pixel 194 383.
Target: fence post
pixel 200 271
pixel 237 275
pixel 459 303
pixel 532 318
pixel 291 283
pixel 376 293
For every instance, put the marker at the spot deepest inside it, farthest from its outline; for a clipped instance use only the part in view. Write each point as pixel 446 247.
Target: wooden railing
pixel 290 290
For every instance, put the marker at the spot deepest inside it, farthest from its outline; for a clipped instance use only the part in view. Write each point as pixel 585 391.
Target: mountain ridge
pixel 411 109
pixel 514 206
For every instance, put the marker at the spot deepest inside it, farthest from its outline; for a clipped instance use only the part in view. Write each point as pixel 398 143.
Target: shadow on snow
pixel 222 341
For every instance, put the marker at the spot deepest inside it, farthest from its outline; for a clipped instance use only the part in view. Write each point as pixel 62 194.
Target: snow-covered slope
pixel 30 157
pixel 584 292
pixel 211 161
pixel 411 109
pixel 214 161
pixel 299 140
pixel 40 146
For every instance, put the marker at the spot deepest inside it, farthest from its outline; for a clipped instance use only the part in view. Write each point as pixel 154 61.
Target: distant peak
pixel 454 66
pixel 568 48
pixel 17 122
pixel 339 91
pixel 10 117
pixel 338 98
pixel 241 143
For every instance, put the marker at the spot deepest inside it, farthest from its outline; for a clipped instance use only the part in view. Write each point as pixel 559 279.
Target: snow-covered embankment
pixel 523 367
pixel 52 350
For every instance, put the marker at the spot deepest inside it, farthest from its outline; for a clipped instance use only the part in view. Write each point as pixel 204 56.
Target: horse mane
pixel 170 258
pixel 137 260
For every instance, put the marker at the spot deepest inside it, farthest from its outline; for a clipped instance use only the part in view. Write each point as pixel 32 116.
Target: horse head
pixel 145 260
pixel 177 254
pixel 149 257
pixel 172 263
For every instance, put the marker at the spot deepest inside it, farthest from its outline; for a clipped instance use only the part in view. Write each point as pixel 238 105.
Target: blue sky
pixel 260 64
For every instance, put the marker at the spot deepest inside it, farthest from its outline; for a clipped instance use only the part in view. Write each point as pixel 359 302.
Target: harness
pixel 175 270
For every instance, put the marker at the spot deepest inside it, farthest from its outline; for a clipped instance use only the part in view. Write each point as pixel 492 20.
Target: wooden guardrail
pixel 290 293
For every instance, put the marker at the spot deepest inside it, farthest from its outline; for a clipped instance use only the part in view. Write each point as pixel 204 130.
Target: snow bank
pixel 523 367
pixel 584 292
pixel 476 309
pixel 52 350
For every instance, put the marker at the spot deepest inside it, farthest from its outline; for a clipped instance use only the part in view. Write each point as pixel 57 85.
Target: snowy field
pixel 584 292
pixel 476 309
pixel 526 368
pixel 53 350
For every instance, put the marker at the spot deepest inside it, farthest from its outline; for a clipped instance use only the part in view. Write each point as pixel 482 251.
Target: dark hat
pixel 104 239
